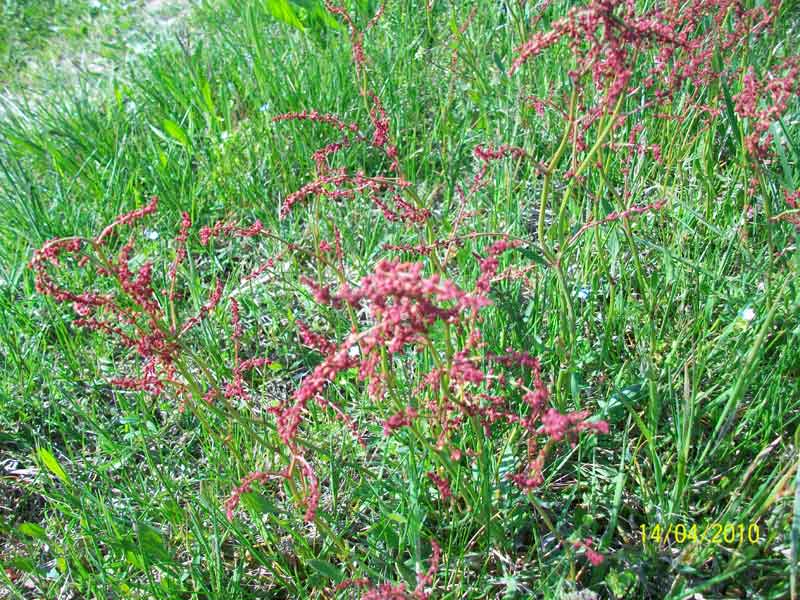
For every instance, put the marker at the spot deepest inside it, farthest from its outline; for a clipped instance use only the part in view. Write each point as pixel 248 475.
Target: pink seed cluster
pixel 764 100
pixel 126 305
pixel 405 307
pixel 388 591
pixel 793 214
pixel 385 190
pixel 592 555
pixel 668 45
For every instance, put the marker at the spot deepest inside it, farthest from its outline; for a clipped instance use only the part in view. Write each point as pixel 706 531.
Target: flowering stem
pixel 440 268
pixel 319 522
pixel 194 405
pixel 601 138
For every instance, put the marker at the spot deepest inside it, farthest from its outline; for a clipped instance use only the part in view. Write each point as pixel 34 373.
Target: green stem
pixel 551 167
pixel 601 138
pixel 572 327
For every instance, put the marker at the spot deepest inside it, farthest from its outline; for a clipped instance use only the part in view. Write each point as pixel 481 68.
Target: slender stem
pixel 562 284
pixel 551 167
pixel 601 138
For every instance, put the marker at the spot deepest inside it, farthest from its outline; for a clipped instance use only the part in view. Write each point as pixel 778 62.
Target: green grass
pixel 76 43
pixel 115 494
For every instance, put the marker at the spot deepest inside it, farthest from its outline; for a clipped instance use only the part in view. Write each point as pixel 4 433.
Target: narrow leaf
pixel 52 464
pixel 176 132
pixel 283 11
pixel 33 530
pixel 323 567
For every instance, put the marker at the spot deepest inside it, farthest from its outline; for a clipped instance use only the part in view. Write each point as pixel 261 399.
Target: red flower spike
pixel 594 557
pixel 442 485
pixel 128 218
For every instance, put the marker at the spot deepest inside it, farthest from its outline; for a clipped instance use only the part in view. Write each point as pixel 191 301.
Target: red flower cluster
pixel 765 100
pixel 387 591
pixel 405 307
pixel 126 306
pixel 669 45
pixel 793 216
pixel 605 35
pixel 383 191
pixel 130 310
pixel 338 185
pixel 592 555
pixel 442 485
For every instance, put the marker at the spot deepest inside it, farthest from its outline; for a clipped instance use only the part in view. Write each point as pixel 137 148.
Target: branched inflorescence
pixel 763 101
pixel 126 305
pixel 129 309
pixel 674 47
pixel 467 387
pixel 385 191
pixel 415 346
pixel 406 309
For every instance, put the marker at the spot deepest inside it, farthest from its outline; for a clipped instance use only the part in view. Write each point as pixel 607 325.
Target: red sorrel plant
pixel 624 64
pixel 127 306
pixel 406 314
pixel 467 394
pixel 675 48
pixel 453 402
pixel 415 345
pixel 468 398
pixel 453 410
pixel 384 190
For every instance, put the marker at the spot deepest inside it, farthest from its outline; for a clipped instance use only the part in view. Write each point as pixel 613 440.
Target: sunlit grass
pixel 685 321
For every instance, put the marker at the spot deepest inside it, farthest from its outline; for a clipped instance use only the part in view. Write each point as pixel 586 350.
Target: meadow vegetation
pixel 430 299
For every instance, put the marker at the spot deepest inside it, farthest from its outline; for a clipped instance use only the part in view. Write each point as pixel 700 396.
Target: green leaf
pixel 785 167
pixel 325 17
pixel 453 26
pixel 24 564
pixel 730 113
pixel 176 132
pixel 33 530
pixel 152 544
pixel 320 17
pixel 668 270
pixel 326 569
pixel 575 384
pixel 258 503
pixel 283 11
pixel 397 518
pixel 207 99
pixel 134 559
pixel 118 96
pixel 52 464
pixel 795 149
pixel 498 62
pixel 533 255
pixel 621 583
